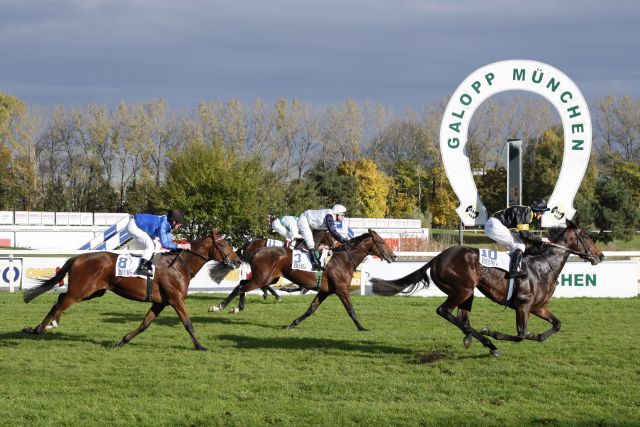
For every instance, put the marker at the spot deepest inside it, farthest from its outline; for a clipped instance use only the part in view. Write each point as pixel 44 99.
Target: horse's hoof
pixel 28 330
pixel 51 325
pixel 201 348
pixel 288 327
pixel 214 309
pixel 234 310
pixel 278 298
pixel 484 331
pixel 265 296
pixel 495 353
pixel 364 330
pixel 467 340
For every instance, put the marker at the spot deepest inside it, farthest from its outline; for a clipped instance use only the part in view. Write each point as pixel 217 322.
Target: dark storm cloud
pixel 401 53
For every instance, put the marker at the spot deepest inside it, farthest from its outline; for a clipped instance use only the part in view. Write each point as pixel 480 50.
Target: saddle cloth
pixel 127 264
pixel 273 242
pixel 493 258
pixel 300 259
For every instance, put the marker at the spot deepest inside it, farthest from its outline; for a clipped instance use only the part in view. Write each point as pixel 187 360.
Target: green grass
pixel 410 369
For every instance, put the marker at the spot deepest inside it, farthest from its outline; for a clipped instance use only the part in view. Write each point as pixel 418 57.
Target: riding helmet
pixel 175 215
pixel 539 205
pixel 339 209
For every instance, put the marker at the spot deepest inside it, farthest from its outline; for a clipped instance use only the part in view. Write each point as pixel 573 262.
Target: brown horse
pixel 92 274
pixel 320 237
pixel 457 271
pixel 268 263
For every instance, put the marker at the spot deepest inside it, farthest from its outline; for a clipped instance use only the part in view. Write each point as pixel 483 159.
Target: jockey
pixel 287 227
pixel 145 227
pixel 321 219
pixel 516 218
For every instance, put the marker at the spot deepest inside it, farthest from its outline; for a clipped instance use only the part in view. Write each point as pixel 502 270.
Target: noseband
pixel 586 255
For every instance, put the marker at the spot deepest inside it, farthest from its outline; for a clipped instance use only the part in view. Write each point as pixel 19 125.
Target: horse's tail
pixel 48 284
pixel 219 271
pixel 414 281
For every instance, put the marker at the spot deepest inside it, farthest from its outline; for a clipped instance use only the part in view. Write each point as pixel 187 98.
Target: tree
pixel 492 188
pixel 616 211
pixel 332 187
pixel 373 186
pixel 217 189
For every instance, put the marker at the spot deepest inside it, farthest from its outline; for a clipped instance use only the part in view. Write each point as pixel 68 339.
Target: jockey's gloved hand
pixel 343 240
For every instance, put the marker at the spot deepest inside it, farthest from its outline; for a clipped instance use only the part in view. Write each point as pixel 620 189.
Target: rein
pixel 571 251
pixel 225 258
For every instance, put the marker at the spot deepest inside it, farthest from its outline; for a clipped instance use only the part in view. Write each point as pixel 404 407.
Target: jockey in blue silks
pixel 145 227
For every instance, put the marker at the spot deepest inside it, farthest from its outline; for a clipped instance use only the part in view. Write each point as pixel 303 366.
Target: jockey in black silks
pixel 517 218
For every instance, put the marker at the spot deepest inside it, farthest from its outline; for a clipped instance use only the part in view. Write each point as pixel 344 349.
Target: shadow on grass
pixel 306 343
pixel 13 338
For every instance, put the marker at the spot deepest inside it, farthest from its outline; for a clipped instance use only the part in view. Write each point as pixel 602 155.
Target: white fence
pixel 20 269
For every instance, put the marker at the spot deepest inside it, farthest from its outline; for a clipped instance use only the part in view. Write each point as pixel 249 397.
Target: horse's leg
pixel 345 297
pixel 522 316
pixel 265 292
pixel 64 301
pixel 545 314
pixel 228 299
pixel 183 314
pixel 321 296
pixel 463 315
pixel 273 291
pixel 241 301
pixel 153 312
pixel 445 309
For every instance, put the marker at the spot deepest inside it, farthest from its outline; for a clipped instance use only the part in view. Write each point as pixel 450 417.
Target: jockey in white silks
pixel 287 227
pixel 321 219
pixel 516 218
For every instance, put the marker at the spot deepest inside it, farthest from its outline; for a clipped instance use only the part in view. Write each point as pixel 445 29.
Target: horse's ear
pixel 214 232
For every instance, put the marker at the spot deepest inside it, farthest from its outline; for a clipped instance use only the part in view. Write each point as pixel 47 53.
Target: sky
pixel 401 53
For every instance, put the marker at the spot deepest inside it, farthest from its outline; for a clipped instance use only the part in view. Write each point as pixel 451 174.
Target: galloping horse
pixel 457 271
pixel 93 274
pixel 320 237
pixel 268 263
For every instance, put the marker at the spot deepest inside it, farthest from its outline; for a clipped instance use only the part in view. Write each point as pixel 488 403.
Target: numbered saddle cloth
pixel 300 259
pixel 273 242
pixel 493 258
pixel 127 264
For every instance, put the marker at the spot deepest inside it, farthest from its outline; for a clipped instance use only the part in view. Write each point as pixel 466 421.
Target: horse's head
pixel 581 244
pixel 380 248
pixel 221 250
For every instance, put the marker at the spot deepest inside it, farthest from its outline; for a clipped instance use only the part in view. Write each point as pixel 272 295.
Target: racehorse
pixel 268 263
pixel 320 237
pixel 93 274
pixel 457 271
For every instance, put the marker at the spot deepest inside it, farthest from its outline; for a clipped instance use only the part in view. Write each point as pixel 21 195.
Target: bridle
pixel 587 255
pixel 216 247
pixel 377 245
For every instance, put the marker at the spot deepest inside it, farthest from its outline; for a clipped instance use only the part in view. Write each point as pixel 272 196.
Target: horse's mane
pixel 353 242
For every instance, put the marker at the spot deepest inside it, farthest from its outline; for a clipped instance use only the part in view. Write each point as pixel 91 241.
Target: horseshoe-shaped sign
pixel 531 76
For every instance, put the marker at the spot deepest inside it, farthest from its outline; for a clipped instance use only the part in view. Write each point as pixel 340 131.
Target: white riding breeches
pixel 305 230
pixel 501 234
pixel 149 245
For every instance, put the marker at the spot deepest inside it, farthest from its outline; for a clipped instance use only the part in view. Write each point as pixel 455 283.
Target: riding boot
pixel 515 269
pixel 144 268
pixel 315 260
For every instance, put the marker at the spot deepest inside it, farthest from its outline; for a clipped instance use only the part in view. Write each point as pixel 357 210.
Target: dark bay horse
pixel 91 275
pixel 268 263
pixel 457 271
pixel 320 237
